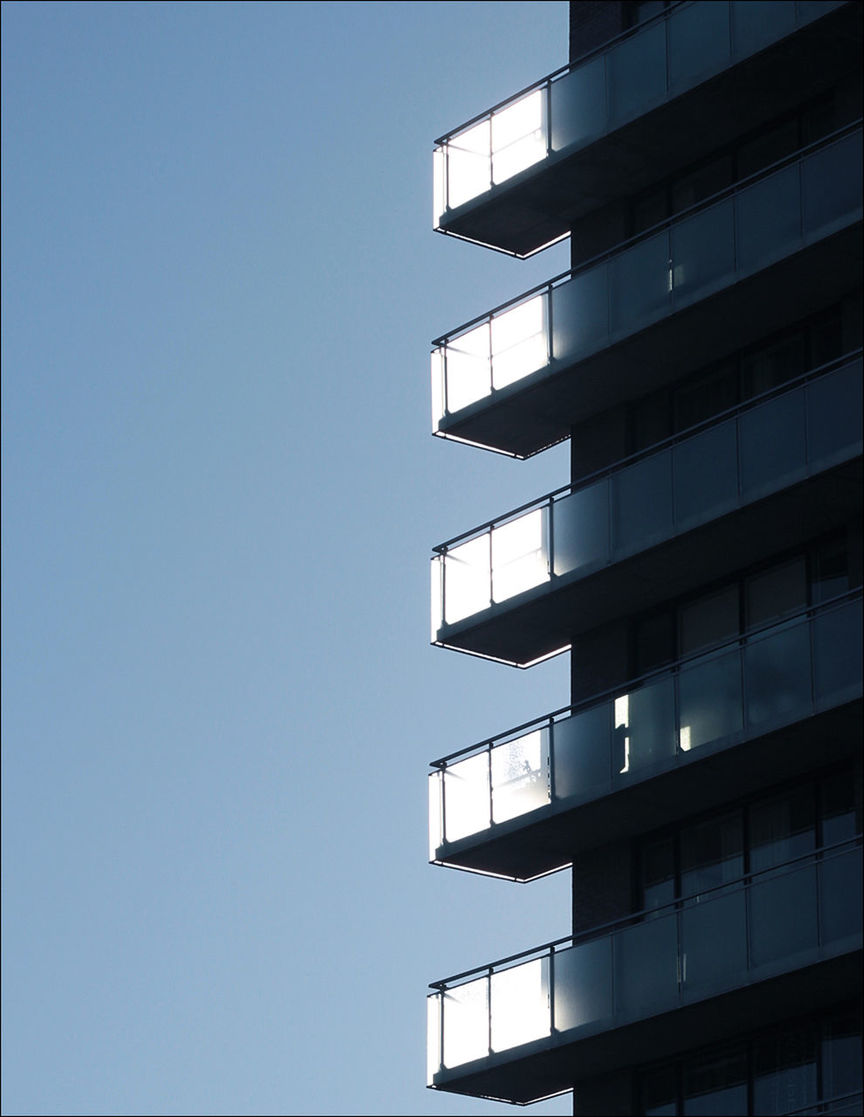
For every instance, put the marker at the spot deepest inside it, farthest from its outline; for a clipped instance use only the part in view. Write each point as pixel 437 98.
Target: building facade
pixel 702 567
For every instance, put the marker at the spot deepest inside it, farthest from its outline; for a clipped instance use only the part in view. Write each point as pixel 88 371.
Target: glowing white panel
pixel 519 555
pixel 518 136
pixel 439 184
pixel 468 377
pixel 436 808
pixel 520 1005
pixel 469 164
pixel 466 1022
pixel 466 797
pixel 437 387
pixel 433 1036
pixel 437 594
pixel 520 781
pixel 519 343
pixel 466 579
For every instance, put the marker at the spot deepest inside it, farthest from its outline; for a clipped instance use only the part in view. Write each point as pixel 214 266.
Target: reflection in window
pixel 709 620
pixel 712 854
pixel 781 829
pixel 785 1077
pixel 716 1084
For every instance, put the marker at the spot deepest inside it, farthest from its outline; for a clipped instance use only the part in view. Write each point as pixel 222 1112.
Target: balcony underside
pixel 552 836
pixel 541 203
pixel 545 619
pixel 553 1065
pixel 540 409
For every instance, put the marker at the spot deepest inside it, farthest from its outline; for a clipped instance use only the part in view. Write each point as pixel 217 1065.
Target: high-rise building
pixel 702 567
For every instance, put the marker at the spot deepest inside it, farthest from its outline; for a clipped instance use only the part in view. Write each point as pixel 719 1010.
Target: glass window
pixel 660 1093
pixel 649 210
pixel 650 421
pixel 711 394
pixel 709 179
pixel 768 148
pixel 773 365
pixel 654 642
pixel 826 338
pixel 781 828
pixel 716 1084
pixel 841 1056
pixel 784 1065
pixel 778 591
pixel 712 854
pixel 830 575
pixel 709 620
pixel 658 874
pixel 838 808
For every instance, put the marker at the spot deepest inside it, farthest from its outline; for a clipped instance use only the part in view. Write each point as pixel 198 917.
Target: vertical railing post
pixel 552 991
pixel 489 785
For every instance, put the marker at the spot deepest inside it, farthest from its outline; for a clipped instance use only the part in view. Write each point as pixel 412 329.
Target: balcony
pixel 761 256
pixel 524 803
pixel 748 484
pixel 706 968
pixel 516 177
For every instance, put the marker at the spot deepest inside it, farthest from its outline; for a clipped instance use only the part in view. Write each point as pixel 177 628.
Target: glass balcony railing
pixel 766 445
pixel 695 255
pixel 739 690
pixel 633 73
pixel 770 922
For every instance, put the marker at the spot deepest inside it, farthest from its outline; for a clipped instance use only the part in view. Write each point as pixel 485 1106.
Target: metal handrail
pixel 817 856
pixel 608 44
pixel 629 685
pixel 621 246
pixel 657 447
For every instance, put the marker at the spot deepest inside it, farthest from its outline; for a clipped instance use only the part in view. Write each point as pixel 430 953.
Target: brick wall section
pixel 592 22
pixel 602 888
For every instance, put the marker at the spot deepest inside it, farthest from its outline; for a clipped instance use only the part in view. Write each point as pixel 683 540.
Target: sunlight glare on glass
pixel 685 738
pixel 520 1005
pixel 436 804
pixel 519 344
pixel 466 1022
pixel 518 136
pixel 469 164
pixel 519 776
pixel 467 359
pixel 439 184
pixel 437 387
pixel 433 1036
pixel 466 579
pixel 519 555
pixel 466 797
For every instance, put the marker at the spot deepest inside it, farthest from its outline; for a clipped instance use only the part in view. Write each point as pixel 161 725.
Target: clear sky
pixel 220 282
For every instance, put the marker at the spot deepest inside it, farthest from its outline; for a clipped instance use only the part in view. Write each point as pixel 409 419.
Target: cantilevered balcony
pixel 614 121
pixel 707 968
pixel 625 762
pixel 760 478
pixel 755 259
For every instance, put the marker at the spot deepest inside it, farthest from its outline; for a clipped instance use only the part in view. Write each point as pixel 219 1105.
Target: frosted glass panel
pixel 433 1037
pixel 468 368
pixel 581 528
pixel 583 983
pixel 580 313
pixel 468 170
pixel 518 136
pixel 698 43
pixel 519 555
pixel 520 775
pixel 466 579
pixel 581 752
pixel 777 673
pixel 436 816
pixel 519 344
pixel 520 1004
pixel 637 73
pixel 706 474
pixel 711 708
pixel 466 797
pixel 703 253
pixel 466 1023
pixel 579 104
pixel 768 219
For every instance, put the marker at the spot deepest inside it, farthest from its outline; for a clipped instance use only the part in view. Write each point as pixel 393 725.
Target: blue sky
pixel 220 494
